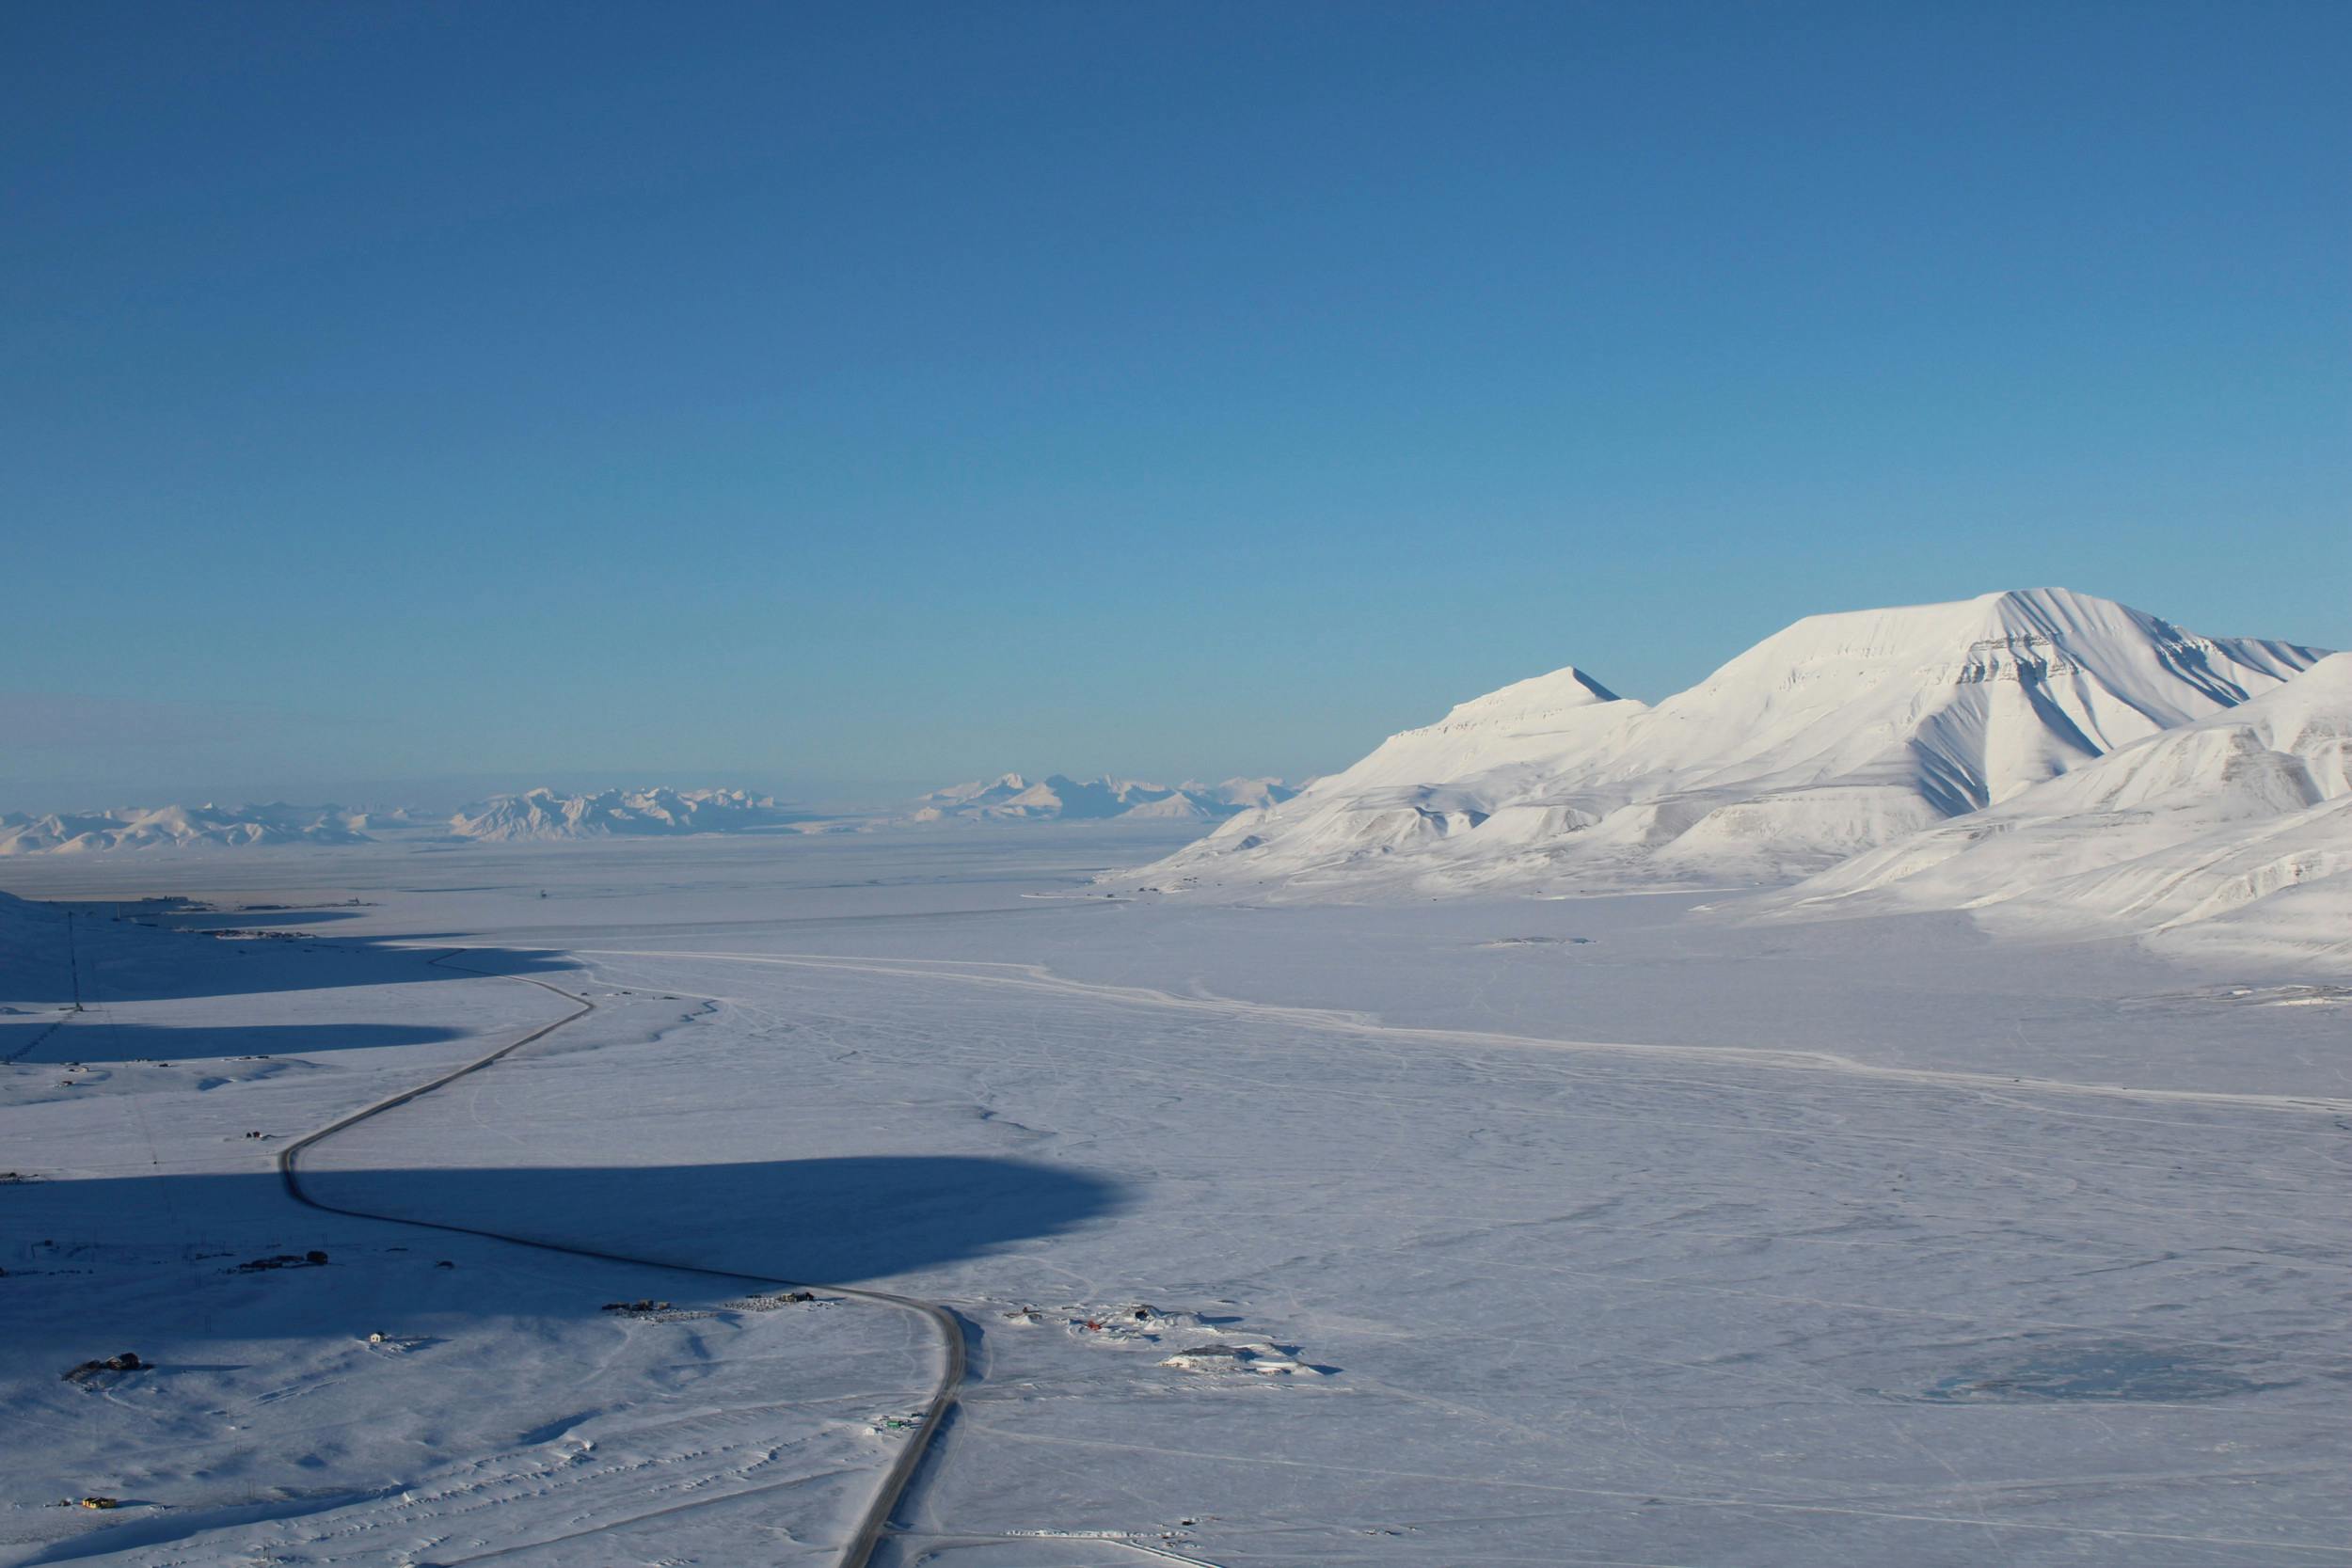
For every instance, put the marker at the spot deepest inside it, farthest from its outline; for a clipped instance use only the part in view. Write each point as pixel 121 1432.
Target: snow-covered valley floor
pixel 1596 1231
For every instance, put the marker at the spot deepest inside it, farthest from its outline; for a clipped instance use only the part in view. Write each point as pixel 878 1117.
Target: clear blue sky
pixel 520 393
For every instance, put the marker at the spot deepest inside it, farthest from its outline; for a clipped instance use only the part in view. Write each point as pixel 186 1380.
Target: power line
pixel 74 960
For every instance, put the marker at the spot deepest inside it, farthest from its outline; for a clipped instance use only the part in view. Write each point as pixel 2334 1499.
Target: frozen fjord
pixel 1547 1302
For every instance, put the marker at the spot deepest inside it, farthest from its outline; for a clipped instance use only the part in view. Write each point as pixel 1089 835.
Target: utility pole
pixel 74 960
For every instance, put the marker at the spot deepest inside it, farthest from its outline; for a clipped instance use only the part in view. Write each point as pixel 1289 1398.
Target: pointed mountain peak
pixel 1564 687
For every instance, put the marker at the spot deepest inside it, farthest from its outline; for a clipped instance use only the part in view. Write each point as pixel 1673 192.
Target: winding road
pixel 859 1549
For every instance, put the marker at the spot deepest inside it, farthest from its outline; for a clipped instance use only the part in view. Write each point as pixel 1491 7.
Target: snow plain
pixel 1603 1230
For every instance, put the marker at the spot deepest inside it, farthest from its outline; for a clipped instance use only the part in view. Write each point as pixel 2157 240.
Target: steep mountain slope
pixel 1013 797
pixel 205 826
pixel 544 817
pixel 2191 824
pixel 1841 733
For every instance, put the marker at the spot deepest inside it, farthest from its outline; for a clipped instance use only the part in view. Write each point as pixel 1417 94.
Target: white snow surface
pixel 1838 734
pixel 1582 1230
pixel 1056 797
pixel 2190 826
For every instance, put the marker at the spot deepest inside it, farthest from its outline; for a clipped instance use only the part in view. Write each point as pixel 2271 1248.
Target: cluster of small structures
pixel 769 1304
pixel 662 1311
pixel 1194 1344
pixel 95 1370
pixel 1261 1356
pixel 310 1260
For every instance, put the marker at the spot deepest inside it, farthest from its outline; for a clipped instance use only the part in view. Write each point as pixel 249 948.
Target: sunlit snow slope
pixel 1841 734
pixel 2197 823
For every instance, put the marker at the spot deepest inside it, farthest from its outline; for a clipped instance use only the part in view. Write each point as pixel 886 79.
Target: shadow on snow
pixel 105 960
pixel 823 1221
pixel 93 1038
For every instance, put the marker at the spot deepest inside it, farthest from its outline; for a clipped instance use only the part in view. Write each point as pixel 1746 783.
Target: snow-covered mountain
pixel 1840 734
pixel 1013 797
pixel 183 828
pixel 542 815
pixel 535 814
pixel 2186 826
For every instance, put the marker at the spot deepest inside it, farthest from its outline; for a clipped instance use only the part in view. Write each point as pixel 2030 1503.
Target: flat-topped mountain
pixel 1840 734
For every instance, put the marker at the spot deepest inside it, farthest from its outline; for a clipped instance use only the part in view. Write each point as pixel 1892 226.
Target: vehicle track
pixel 859 1549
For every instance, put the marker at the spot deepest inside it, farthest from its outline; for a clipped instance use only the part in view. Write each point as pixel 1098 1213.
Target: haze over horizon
pixel 842 403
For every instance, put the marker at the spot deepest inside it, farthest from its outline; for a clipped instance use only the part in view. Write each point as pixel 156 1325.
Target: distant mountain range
pixel 185 827
pixel 542 815
pixel 546 816
pixel 1013 799
pixel 1951 754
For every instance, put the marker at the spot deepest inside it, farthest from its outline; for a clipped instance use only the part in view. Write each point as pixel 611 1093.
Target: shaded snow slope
pixel 1841 733
pixel 2195 824
pixel 542 815
pixel 1013 797
pixel 22 924
pixel 183 828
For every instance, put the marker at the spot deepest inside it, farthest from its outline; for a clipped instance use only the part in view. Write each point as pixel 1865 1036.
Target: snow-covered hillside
pixel 1055 798
pixel 2189 826
pixel 1841 734
pixel 542 815
pixel 181 828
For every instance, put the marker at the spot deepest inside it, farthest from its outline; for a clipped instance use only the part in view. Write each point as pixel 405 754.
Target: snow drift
pixel 1841 734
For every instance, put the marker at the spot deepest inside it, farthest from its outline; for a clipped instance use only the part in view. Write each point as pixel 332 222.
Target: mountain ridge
pixel 184 827
pixel 2187 827
pixel 541 815
pixel 1014 797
